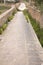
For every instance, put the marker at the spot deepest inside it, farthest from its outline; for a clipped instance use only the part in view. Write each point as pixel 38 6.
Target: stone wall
pixel 5 15
pixel 36 14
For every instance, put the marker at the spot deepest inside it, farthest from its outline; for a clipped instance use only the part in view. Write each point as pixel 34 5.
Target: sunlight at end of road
pixel 22 6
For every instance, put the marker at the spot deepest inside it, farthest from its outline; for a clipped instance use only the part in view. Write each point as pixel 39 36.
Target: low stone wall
pixel 5 15
pixel 36 14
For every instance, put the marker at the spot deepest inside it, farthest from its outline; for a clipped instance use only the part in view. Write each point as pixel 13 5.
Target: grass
pixel 3 27
pixel 36 26
pixel 26 15
pixel 3 8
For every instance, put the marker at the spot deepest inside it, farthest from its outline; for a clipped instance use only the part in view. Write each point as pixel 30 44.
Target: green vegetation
pixel 35 25
pixel 10 18
pixel 39 4
pixel 3 8
pixel 5 24
pixel 1 30
pixel 26 15
pixel 3 27
pixel 0 12
pixel 26 0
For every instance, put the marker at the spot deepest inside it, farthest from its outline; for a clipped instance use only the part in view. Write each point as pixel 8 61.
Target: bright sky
pixel 22 6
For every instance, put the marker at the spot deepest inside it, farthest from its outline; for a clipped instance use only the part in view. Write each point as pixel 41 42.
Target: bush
pixel 13 13
pixel 0 12
pixel 1 30
pixel 10 18
pixel 26 15
pixel 4 7
pixel 4 26
pixel 41 36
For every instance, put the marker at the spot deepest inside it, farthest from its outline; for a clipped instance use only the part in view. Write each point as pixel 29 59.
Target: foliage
pixel 4 26
pixel 4 7
pixel 38 1
pixel 10 18
pixel 26 15
pixel 1 30
pixel 0 12
pixel 26 0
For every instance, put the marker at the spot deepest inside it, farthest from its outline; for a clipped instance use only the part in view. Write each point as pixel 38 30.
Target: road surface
pixel 17 46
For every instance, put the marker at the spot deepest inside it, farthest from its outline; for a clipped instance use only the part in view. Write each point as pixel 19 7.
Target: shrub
pixel 26 15
pixel 10 18
pixel 4 26
pixel 13 13
pixel 41 36
pixel 1 30
pixel 0 12
pixel 4 7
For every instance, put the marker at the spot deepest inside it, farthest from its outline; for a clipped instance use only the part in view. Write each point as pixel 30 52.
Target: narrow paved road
pixel 18 43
